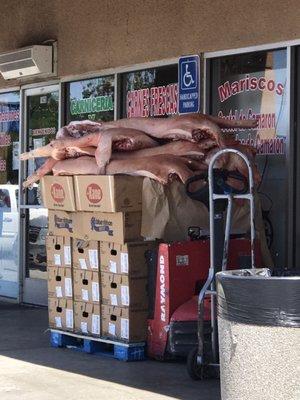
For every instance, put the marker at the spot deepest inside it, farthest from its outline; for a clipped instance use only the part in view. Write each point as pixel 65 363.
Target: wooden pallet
pixel 99 346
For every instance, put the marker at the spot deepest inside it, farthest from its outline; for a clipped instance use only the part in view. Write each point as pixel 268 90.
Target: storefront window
pixel 150 92
pixel 254 86
pixel 42 125
pixel 91 99
pixel 9 218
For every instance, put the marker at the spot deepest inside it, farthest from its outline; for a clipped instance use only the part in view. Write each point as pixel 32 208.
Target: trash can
pixel 259 335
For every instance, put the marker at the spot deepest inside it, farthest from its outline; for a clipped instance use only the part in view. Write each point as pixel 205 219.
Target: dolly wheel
pixel 194 369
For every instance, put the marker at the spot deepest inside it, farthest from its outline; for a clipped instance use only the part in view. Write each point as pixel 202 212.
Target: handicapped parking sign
pixel 189 87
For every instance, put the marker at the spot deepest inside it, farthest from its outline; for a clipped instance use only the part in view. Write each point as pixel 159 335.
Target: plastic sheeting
pixel 255 297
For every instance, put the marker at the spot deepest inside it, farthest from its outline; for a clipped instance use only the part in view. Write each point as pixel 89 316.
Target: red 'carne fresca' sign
pixel 152 102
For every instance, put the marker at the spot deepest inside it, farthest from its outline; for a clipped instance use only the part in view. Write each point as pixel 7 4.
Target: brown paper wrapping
pixel 168 213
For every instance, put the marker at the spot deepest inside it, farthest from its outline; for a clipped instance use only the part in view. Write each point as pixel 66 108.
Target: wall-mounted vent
pixel 30 61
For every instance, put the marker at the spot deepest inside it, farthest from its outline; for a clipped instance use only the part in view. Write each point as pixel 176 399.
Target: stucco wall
pixel 99 34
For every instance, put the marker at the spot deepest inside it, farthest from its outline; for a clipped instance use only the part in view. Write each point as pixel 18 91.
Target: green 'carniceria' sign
pixel 92 105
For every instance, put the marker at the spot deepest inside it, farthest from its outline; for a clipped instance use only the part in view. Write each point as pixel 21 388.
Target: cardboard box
pixel 108 193
pixel 59 252
pixel 61 223
pixel 123 323
pixel 60 283
pixel 129 258
pixel 86 286
pixel 108 227
pixel 58 192
pixel 87 318
pixel 61 314
pixel 86 254
pixel 124 291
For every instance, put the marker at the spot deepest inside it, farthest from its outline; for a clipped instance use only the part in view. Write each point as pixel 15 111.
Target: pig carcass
pixel 176 148
pixel 162 168
pixel 121 139
pixel 191 127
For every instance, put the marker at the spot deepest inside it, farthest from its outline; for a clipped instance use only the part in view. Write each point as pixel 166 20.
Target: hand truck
pixel 203 361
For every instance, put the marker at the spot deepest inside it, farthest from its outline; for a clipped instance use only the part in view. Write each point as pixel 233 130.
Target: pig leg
pixel 86 141
pixel 103 152
pixel 39 173
pixel 57 149
pixel 44 151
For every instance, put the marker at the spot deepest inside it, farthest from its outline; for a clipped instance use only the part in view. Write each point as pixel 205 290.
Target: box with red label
pixel 60 283
pixel 86 286
pixel 108 193
pixel 108 227
pixel 124 291
pixel 61 314
pixel 129 258
pixel 61 223
pixel 123 323
pixel 87 318
pixel 86 254
pixel 59 253
pixel 58 192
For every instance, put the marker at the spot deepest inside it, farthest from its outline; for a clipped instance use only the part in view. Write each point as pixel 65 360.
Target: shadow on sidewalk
pixel 24 336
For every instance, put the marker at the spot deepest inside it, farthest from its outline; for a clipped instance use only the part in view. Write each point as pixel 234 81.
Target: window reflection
pixel 255 86
pixel 9 217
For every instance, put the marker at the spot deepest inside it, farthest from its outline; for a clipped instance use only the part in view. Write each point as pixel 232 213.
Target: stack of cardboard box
pixel 96 258
pixel 60 285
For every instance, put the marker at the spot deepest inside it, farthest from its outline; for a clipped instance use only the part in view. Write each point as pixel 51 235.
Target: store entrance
pixel 41 111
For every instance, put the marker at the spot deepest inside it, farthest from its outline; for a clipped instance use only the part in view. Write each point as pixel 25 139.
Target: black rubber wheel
pixel 194 369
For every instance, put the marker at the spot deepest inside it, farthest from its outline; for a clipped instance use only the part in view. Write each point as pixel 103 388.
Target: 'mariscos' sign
pixel 227 89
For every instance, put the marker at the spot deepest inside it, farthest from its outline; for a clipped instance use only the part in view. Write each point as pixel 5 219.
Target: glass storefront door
pixel 41 110
pixel 9 216
pixel 255 86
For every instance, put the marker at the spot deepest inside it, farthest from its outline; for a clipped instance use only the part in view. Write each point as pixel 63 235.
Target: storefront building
pixel 249 69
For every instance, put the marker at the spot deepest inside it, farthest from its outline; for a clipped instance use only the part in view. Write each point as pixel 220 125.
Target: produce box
pixel 128 259
pixel 87 318
pixel 108 193
pixel 108 227
pixel 86 254
pixel 86 286
pixel 58 250
pixel 61 314
pixel 61 223
pixel 60 283
pixel 123 323
pixel 58 192
pixel 124 291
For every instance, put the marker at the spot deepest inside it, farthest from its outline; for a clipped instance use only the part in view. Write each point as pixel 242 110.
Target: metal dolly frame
pixel 196 367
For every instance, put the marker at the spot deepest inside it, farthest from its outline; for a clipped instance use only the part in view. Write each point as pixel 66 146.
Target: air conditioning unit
pixel 28 61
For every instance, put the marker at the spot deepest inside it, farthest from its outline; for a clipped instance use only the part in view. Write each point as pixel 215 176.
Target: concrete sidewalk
pixel 32 370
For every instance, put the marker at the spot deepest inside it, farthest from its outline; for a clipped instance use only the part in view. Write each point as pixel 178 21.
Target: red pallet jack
pixel 180 270
pixel 203 360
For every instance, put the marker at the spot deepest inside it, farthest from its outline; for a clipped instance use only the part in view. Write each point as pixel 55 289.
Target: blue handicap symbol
pixel 188 75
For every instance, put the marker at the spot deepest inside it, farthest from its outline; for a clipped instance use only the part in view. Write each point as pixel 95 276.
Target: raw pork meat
pixel 121 139
pixel 161 167
pixel 176 148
